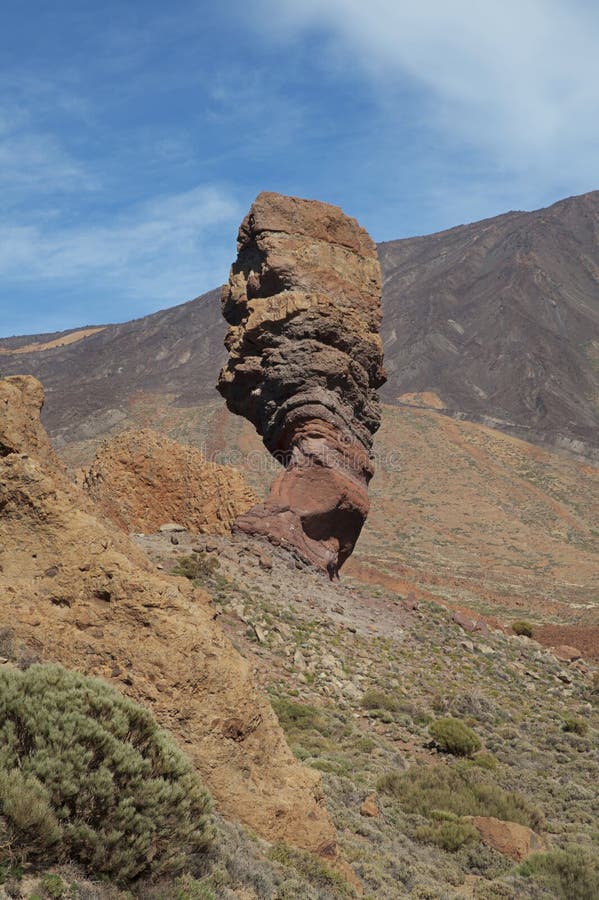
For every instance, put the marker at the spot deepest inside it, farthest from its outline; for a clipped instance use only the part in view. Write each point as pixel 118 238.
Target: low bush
pixel 311 868
pixel 376 699
pixel 87 775
pixel 522 628
pixel 448 832
pixel 573 725
pixel 199 567
pixel 453 736
pixel 463 791
pixel 569 874
pixel 298 716
pixel 485 760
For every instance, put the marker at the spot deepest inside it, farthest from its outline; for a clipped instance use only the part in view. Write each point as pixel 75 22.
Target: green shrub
pixel 452 736
pixel 311 868
pixel 570 874
pixel 463 791
pixel 87 775
pixel 484 760
pixel 376 699
pixel 574 725
pixel 53 886
pixel 199 567
pixel 522 628
pixel 298 716
pixel 447 832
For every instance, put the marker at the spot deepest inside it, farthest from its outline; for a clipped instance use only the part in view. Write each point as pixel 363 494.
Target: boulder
pixel 510 838
pixel 370 807
pixel 566 653
pixel 145 482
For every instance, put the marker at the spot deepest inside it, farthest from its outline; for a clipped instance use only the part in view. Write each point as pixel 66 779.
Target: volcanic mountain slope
pixel 499 319
pixel 89 383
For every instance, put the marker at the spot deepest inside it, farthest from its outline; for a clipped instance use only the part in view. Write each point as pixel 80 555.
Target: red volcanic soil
pixel 585 639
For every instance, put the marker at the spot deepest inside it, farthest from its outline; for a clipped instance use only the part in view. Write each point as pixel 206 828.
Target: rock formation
pixel 305 360
pixel 74 590
pixel 141 479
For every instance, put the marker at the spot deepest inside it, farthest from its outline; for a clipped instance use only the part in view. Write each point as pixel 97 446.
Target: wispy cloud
pixel 159 251
pixel 516 79
pixel 34 162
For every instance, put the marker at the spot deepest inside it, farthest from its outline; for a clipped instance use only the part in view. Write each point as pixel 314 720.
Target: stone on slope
pixel 145 482
pixel 510 838
pixel 305 360
pixel 74 590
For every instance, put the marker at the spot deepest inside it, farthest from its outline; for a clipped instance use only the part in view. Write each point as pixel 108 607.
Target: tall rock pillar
pixel 305 360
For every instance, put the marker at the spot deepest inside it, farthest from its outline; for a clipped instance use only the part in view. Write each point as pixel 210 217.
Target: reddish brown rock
pixel 144 481
pixel 510 838
pixel 566 653
pixel 470 624
pixel 305 360
pixel 370 807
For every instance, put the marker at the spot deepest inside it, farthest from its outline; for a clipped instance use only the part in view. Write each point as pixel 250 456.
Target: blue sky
pixel 134 136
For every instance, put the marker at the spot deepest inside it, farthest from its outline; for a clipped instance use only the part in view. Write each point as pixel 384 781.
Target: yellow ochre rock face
pixel 141 479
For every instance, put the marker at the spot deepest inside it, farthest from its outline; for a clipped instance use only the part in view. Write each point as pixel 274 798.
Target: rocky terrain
pixel 429 726
pixel 358 676
pixel 75 591
pixel 142 480
pixel 459 512
pixel 305 359
pixel 499 319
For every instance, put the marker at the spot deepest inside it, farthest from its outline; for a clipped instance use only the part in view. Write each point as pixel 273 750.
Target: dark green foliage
pixel 452 736
pixel 570 874
pixel 199 567
pixel 522 628
pixel 575 726
pixel 87 775
pixel 463 791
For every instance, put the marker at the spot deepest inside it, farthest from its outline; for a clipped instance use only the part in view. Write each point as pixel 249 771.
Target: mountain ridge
pixel 499 318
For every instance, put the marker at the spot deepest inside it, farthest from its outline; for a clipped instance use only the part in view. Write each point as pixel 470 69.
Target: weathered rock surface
pixel 76 591
pixel 566 653
pixel 305 360
pixel 142 480
pixel 510 838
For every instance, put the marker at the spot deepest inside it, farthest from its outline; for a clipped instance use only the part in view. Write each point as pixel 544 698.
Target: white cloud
pixel 165 250
pixel 517 79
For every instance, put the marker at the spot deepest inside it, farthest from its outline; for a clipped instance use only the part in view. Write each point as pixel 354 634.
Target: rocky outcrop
pixel 510 838
pixel 305 360
pixel 141 479
pixel 74 590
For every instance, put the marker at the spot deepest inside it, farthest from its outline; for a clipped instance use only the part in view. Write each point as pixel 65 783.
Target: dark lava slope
pixel 499 318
